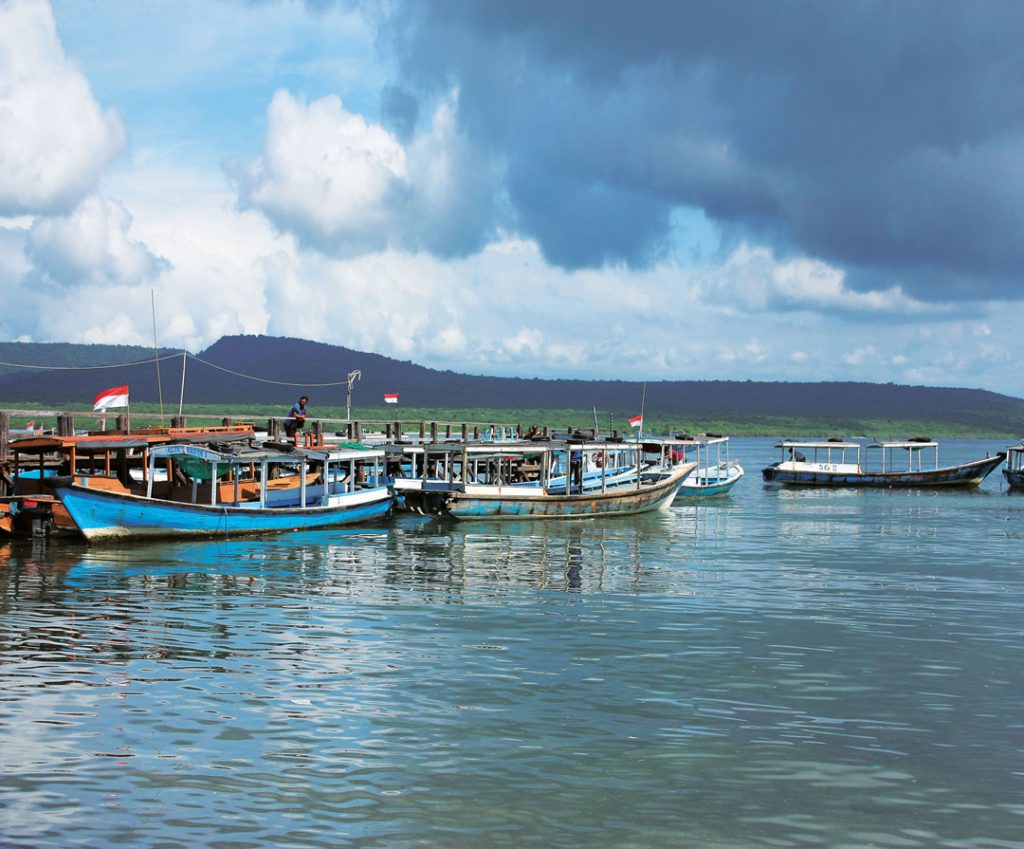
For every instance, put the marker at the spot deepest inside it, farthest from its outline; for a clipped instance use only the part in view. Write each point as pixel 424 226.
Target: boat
pixel 890 463
pixel 716 472
pixel 1014 471
pixel 217 491
pixel 115 459
pixel 534 480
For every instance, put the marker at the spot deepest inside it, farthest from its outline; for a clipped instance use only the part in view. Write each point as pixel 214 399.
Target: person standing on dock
pixel 296 420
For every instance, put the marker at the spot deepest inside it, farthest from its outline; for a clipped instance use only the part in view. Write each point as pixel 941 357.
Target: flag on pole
pixel 390 397
pixel 116 396
pixel 637 421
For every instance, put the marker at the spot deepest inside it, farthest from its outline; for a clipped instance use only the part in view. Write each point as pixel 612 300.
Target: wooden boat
pixel 1014 471
pixel 716 473
pixel 514 481
pixel 112 459
pixel 838 463
pixel 230 492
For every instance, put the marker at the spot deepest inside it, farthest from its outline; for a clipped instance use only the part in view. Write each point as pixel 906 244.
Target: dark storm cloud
pixel 886 138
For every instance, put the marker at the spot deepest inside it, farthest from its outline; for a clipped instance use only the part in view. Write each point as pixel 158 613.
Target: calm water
pixel 776 669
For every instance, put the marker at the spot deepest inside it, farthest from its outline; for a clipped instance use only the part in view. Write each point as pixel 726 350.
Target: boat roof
pixel 787 443
pixel 496 449
pixel 242 455
pixel 909 444
pixel 233 456
pixel 118 440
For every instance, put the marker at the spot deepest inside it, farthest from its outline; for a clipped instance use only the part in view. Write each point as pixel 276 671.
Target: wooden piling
pixel 5 432
pixel 65 424
pixel 274 429
pixel 433 431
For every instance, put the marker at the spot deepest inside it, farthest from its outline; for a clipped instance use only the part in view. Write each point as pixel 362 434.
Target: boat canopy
pixel 787 443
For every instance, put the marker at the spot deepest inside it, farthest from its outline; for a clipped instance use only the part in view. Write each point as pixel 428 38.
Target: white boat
pixel 529 480
pixel 886 463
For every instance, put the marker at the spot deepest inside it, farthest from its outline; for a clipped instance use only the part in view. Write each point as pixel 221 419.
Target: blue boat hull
pixel 1014 477
pixel 110 516
pixel 966 474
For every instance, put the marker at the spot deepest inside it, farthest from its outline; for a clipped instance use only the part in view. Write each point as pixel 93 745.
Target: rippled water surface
pixel 776 668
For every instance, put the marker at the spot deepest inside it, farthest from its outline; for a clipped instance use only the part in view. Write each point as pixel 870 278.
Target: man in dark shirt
pixel 296 420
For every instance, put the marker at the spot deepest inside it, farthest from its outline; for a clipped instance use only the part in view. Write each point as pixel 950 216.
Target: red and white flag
pixel 390 397
pixel 116 396
pixel 637 421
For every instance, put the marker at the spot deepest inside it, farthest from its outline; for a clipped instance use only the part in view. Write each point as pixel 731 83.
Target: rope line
pixel 90 368
pixel 264 379
pixel 172 357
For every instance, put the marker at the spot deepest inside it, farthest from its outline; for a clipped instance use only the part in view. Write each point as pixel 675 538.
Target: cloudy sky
pixel 765 191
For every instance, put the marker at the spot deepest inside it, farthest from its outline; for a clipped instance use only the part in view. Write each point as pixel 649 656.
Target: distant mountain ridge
pixel 304 364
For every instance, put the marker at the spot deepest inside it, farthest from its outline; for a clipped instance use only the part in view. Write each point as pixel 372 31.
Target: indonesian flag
pixel 116 396
pixel 637 421
pixel 390 397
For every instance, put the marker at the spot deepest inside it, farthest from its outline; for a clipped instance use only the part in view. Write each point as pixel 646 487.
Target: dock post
pixel 398 431
pixel 433 431
pixel 357 432
pixel 178 421
pixel 476 432
pixel 226 422
pixel 5 432
pixel 447 433
pixel 65 424
pixel 387 431
pixel 122 422
pixel 465 432
pixel 423 430
pixel 318 432
pixel 274 430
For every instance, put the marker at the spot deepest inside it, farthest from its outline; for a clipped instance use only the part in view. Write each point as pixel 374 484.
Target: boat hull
pixel 109 516
pixel 1014 477
pixel 966 474
pixel 705 483
pixel 621 502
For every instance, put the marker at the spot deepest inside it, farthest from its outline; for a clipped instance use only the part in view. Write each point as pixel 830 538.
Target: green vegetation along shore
pixel 789 426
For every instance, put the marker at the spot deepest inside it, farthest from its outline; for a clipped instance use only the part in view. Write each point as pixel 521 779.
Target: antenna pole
pixel 181 399
pixel 353 376
pixel 156 354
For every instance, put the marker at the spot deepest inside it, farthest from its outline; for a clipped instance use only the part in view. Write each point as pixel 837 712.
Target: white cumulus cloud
pixel 92 245
pixel 346 186
pixel 55 139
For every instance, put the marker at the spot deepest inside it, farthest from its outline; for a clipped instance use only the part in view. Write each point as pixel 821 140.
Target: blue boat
pixel 838 463
pixel 211 492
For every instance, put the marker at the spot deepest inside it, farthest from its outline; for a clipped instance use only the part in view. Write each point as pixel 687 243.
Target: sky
pixel 659 190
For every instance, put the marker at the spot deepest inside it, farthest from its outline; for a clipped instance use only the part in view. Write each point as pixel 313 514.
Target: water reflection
pixel 645 682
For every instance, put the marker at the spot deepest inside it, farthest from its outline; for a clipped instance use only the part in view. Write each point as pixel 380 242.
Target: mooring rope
pixel 153 360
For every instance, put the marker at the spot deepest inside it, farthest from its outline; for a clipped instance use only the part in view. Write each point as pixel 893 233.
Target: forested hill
pixel 306 364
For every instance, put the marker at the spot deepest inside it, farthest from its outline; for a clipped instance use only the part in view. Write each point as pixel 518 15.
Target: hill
pixel 224 374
